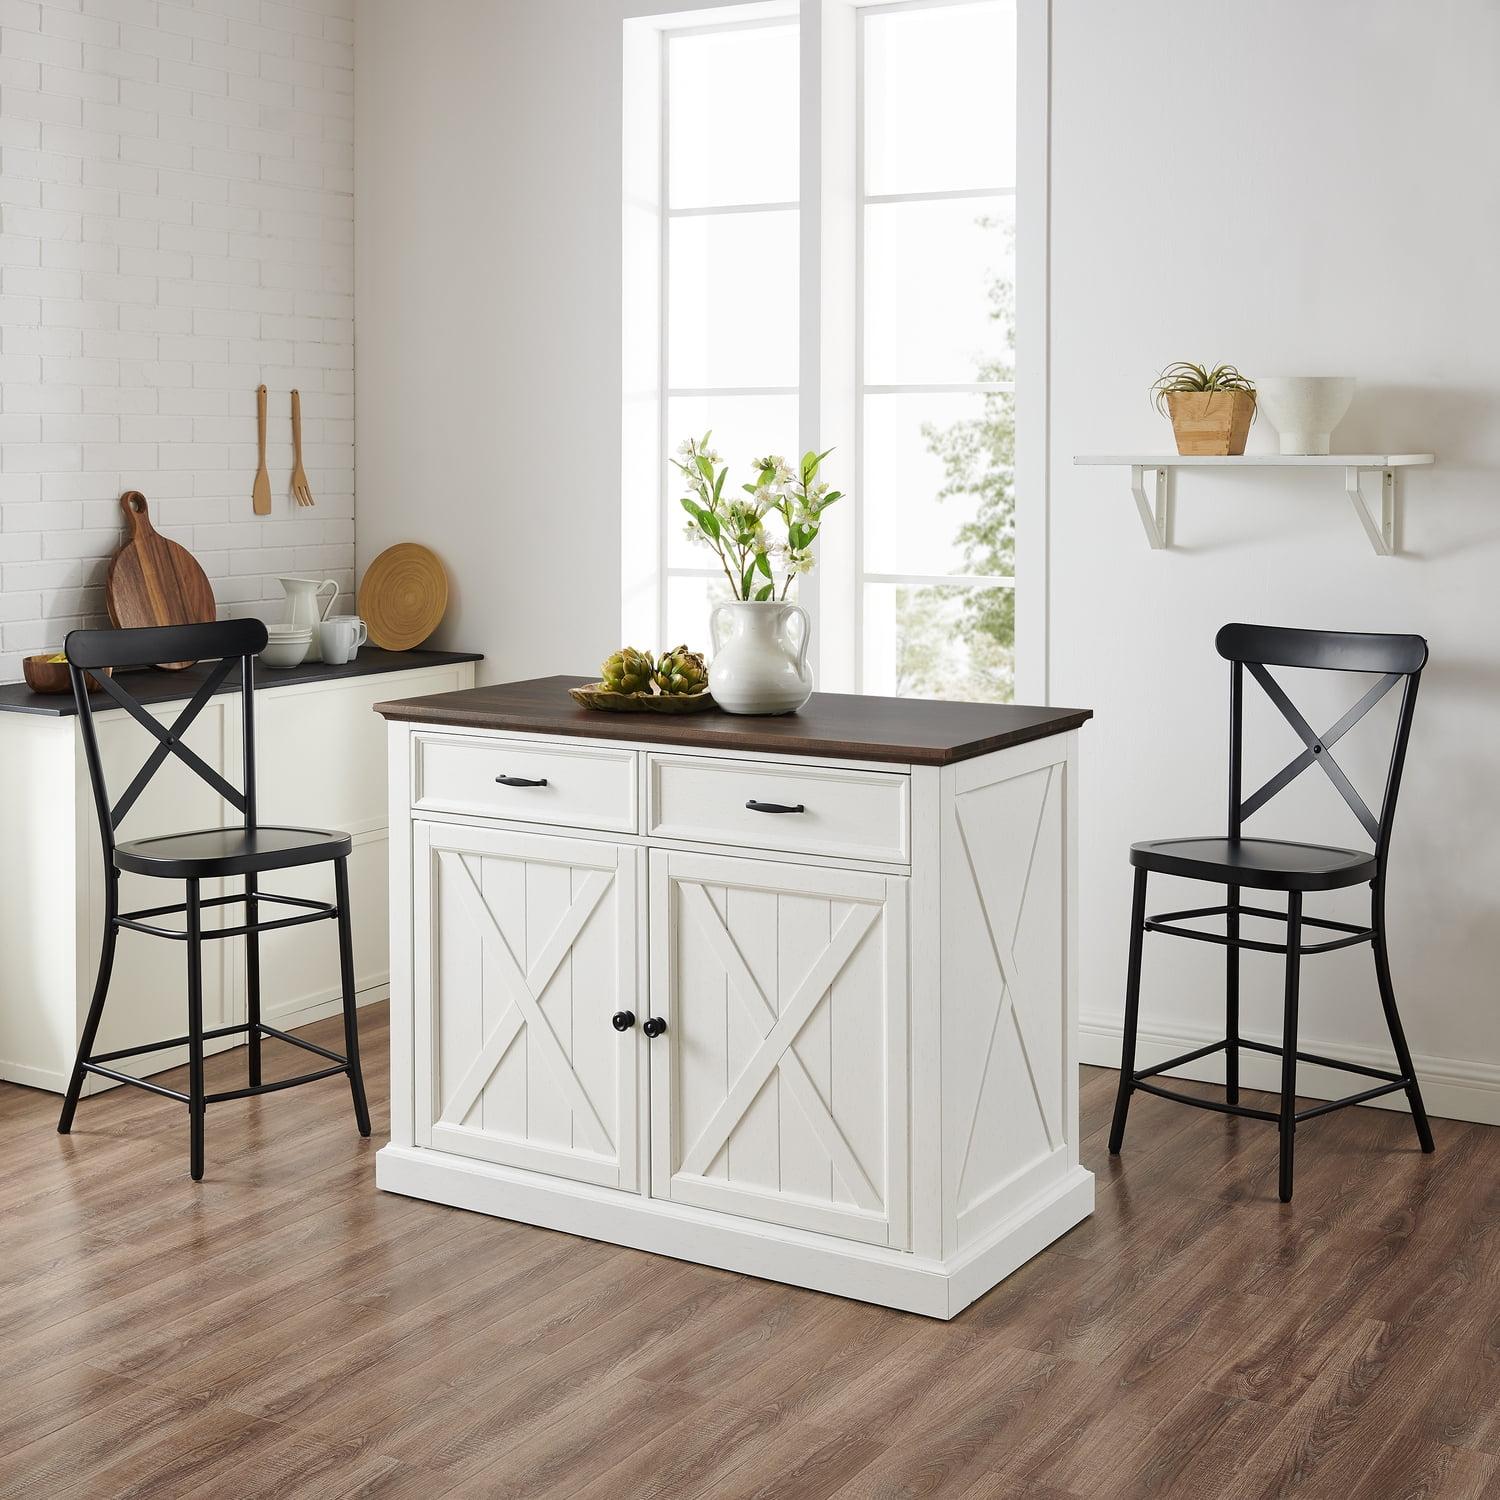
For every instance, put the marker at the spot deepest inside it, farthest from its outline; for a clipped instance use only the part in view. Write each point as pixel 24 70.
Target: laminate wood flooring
pixel 282 1329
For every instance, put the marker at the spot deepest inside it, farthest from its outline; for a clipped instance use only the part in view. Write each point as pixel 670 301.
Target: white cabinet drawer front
pixel 779 1086
pixel 584 787
pixel 852 814
pixel 529 946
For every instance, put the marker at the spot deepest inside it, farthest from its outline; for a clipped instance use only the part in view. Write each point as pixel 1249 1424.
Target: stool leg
pixel 1393 1021
pixel 1232 1000
pixel 1132 1013
pixel 96 1005
pixel 252 980
pixel 346 974
pixel 195 1031
pixel 1288 1122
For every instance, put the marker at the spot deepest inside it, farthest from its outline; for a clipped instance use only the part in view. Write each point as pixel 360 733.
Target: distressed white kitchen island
pixel 790 996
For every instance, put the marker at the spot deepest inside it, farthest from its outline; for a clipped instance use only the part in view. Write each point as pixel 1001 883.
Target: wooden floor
pixel 284 1329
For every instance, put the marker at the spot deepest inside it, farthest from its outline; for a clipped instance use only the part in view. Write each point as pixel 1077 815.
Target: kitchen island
pixel 791 996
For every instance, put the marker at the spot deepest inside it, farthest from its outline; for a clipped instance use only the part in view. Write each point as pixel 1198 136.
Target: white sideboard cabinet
pixel 794 997
pixel 321 762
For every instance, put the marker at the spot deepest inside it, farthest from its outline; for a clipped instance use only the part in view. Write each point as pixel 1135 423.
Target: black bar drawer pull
pixel 518 781
pixel 773 807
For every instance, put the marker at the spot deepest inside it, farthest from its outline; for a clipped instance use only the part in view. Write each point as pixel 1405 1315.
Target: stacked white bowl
pixel 286 645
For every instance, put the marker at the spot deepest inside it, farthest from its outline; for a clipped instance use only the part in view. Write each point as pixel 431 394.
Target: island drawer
pixel 524 781
pixel 827 810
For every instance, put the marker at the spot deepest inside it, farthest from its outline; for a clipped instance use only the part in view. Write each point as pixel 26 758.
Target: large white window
pixel 820 206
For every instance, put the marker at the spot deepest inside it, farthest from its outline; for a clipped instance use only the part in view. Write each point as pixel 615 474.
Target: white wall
pixel 176 227
pixel 488 253
pixel 1291 187
pixel 1294 188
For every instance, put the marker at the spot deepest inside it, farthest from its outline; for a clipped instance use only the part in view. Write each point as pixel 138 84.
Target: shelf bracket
pixel 1382 535
pixel 1153 511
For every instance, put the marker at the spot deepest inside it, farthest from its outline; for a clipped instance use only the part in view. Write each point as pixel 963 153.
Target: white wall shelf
pixel 1155 509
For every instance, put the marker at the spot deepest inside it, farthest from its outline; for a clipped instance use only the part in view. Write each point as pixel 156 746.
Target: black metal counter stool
pixel 1277 865
pixel 246 850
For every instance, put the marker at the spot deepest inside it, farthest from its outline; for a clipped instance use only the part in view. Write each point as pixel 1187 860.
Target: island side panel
pixel 402 1014
pixel 1008 1058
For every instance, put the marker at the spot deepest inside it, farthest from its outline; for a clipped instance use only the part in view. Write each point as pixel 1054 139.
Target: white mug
pixel 340 639
pixel 361 632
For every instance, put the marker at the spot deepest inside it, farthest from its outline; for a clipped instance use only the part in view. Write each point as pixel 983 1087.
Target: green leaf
pixel 765 591
pixel 705 468
pixel 719 482
pixel 763 563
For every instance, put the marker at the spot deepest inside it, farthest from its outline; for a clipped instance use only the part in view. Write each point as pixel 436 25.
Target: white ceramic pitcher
pixel 305 605
pixel 757 667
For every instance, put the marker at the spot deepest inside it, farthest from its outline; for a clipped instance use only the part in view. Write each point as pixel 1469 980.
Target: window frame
pixel 831 391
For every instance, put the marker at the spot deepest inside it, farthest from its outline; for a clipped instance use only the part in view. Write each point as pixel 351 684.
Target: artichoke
pixel 627 671
pixel 681 672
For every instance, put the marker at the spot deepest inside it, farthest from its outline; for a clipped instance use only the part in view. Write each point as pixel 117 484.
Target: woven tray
pixel 597 696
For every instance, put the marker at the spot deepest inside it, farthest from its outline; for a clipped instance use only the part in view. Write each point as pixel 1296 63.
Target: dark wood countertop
pixel 156 686
pixel 848 726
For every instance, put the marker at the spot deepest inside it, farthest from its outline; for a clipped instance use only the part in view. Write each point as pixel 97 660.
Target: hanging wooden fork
pixel 301 490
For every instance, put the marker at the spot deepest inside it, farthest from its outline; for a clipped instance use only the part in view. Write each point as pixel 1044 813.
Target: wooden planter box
pixel 1208 423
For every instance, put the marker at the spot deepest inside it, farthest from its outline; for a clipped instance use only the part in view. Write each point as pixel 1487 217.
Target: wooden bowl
pixel 597 696
pixel 45 676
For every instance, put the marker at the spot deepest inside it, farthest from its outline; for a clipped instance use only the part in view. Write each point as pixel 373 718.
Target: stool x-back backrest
pixel 1392 658
pixel 228 643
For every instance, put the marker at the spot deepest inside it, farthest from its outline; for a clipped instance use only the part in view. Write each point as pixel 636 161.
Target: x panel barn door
pixel 779 1088
pixel 534 946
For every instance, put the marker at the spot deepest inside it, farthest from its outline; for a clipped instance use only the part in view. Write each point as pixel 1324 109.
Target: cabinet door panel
pixel 531 946
pixel 779 1088
pixel 148 988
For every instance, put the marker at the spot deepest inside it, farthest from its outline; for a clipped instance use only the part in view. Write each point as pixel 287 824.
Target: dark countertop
pixel 846 725
pixel 156 686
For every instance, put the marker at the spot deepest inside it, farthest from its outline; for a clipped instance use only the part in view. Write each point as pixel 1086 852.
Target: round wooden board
pixel 154 581
pixel 402 596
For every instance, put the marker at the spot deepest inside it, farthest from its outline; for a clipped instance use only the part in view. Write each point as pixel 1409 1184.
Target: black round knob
pixel 653 1026
pixel 622 1020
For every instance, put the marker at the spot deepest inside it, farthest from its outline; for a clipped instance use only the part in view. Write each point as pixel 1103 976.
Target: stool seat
pixel 1262 864
pixel 209 852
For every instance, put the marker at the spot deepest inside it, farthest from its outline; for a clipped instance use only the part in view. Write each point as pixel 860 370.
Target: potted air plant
pixel 1211 409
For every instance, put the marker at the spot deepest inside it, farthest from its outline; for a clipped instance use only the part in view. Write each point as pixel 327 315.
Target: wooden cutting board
pixel 153 581
pixel 402 596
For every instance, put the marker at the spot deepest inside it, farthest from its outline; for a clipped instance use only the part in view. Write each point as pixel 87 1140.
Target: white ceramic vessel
pixel 758 668
pixel 307 606
pixel 286 646
pixel 1304 409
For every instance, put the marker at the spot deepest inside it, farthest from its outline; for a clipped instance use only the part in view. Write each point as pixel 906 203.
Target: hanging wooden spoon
pixel 260 496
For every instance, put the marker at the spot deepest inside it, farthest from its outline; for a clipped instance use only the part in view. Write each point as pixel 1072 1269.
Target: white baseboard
pixel 320 1010
pixel 56 1082
pixel 1452 1089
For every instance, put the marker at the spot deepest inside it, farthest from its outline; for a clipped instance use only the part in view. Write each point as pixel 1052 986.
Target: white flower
pixel 685 447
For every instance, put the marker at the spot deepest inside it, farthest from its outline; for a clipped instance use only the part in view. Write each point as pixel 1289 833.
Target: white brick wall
pixel 176 227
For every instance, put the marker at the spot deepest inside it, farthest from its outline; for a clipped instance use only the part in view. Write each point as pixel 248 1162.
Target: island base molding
pixel 891 1278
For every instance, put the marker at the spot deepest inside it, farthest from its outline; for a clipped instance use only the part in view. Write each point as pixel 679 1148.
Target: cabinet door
pixel 526 946
pixel 779 1088
pixel 148 988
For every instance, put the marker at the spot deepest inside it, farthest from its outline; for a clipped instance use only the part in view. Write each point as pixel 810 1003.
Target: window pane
pixel 732 117
pixel 743 428
pixel 938 291
pixel 732 300
pixel 940 642
pixel 940 98
pixel 688 603
pixel 938 484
